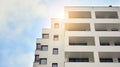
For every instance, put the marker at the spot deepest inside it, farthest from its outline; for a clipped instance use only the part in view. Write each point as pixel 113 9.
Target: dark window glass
pixel 106 60
pixel 43 60
pixel 45 36
pixel 44 47
pixel 54 64
pixel 36 58
pixel 56 37
pixel 118 59
pixel 78 59
pixel 38 47
pixel 55 50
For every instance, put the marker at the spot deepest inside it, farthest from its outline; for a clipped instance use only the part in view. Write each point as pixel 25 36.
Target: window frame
pixel 56 37
pixel 38 46
pixel 43 59
pixel 55 51
pixel 37 58
pixel 43 47
pixel 55 64
pixel 45 36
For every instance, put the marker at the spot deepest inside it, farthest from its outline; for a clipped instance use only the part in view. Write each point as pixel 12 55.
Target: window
pixel 56 37
pixel 55 51
pixel 79 14
pixel 43 60
pixel 104 44
pixel 38 46
pixel 54 64
pixel 36 58
pixel 56 25
pixel 78 59
pixel 44 47
pixel 45 36
pixel 106 60
pixel 106 14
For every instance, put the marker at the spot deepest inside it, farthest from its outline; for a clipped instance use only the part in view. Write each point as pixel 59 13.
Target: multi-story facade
pixel 86 37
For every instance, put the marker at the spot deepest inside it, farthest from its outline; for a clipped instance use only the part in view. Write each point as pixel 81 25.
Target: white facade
pixel 87 37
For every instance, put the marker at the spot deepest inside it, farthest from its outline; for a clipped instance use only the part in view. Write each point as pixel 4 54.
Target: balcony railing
pixel 79 44
pixel 107 26
pixel 109 41
pixel 78 59
pixel 81 41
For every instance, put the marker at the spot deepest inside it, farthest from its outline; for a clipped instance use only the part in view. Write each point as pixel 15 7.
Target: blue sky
pixel 21 22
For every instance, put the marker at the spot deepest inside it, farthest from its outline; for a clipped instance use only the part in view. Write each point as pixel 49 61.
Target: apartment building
pixel 86 37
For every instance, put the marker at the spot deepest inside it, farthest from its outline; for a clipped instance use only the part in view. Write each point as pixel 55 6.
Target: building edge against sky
pixel 87 36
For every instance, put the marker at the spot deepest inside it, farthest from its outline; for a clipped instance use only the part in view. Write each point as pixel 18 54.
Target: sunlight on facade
pixel 87 37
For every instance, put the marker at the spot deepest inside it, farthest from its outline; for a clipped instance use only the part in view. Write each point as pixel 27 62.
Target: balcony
pixel 80 14
pixel 107 27
pixel 81 41
pixel 80 57
pixel 77 27
pixel 109 57
pixel 106 14
pixel 109 41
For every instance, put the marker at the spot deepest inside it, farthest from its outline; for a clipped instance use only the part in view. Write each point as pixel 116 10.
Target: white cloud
pixel 24 60
pixel 17 60
pixel 16 16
